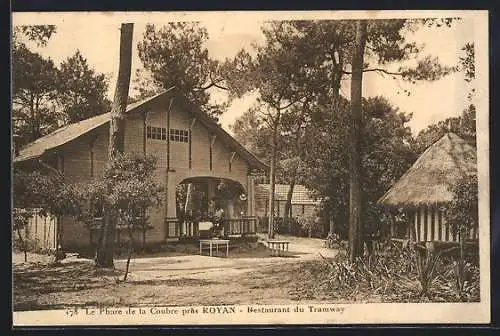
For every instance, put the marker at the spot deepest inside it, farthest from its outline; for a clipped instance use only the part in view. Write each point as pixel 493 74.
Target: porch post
pixel 210 189
pixel 250 196
pixel 392 225
pixel 170 207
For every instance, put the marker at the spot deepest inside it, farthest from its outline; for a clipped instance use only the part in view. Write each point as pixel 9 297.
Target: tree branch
pixel 377 69
pixel 290 104
pixel 269 118
pixel 213 83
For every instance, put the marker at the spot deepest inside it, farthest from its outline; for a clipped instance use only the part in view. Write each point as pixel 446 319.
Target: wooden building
pixel 426 188
pixel 191 148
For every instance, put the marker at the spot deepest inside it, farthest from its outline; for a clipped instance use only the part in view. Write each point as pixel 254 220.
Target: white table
pixel 214 242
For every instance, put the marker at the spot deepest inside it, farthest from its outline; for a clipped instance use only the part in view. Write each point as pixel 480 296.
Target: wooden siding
pixel 77 169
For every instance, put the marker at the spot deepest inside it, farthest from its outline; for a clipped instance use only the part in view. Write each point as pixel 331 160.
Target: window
pixel 179 135
pixel 156 133
pixel 160 133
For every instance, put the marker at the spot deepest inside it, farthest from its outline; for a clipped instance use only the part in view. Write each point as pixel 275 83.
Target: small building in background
pixel 303 204
pixel 426 188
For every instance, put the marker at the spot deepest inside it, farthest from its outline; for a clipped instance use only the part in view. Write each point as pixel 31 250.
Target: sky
pixel 97 38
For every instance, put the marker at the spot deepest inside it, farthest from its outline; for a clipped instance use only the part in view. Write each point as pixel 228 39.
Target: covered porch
pixel 208 207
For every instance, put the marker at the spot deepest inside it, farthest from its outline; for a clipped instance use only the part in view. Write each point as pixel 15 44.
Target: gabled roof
pixel 60 136
pixel 429 181
pixel 70 132
pixel 301 195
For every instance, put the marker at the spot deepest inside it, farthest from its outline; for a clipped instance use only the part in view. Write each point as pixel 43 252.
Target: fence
pixel 40 232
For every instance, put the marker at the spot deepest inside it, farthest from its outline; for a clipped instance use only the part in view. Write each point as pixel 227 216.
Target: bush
pixel 28 244
pixel 312 227
pixel 288 226
pixel 392 277
pixel 383 274
pixel 280 225
pixel 299 227
pixel 262 225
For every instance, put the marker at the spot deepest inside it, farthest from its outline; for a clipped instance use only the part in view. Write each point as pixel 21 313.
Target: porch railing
pixel 245 225
pixel 232 226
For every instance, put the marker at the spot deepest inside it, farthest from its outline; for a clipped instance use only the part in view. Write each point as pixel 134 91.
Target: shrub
pixel 288 226
pixel 381 274
pixel 462 212
pixel 299 227
pixel 311 226
pixel 262 225
pixel 392 277
pixel 26 244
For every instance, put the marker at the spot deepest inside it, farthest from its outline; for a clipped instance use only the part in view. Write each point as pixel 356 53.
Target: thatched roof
pixel 70 132
pixel 430 179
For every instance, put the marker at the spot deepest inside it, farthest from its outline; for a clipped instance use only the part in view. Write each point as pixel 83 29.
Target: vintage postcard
pixel 257 168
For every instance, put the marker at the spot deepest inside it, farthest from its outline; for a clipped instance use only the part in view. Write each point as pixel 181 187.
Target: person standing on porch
pixel 211 208
pixel 219 220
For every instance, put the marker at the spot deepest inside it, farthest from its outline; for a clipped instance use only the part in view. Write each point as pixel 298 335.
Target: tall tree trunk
pixel 23 244
pixel 288 205
pixel 355 194
pixel 116 131
pixel 272 179
pixel 331 230
pixel 33 119
pixel 116 138
pixel 129 255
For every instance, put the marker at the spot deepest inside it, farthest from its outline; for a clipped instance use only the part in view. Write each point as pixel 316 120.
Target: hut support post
pixel 412 227
pixel 392 228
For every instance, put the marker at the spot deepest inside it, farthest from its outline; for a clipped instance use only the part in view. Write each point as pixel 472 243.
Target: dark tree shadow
pixel 182 282
pixel 34 279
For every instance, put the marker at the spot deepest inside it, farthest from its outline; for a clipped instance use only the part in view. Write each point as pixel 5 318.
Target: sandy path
pixel 180 281
pixel 213 268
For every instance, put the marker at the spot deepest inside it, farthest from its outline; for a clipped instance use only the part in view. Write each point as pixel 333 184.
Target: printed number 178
pixel 72 312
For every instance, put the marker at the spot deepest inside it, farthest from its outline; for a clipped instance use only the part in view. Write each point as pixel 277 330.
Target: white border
pixel 351 313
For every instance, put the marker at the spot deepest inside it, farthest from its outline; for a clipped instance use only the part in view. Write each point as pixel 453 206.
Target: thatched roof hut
pixel 427 186
pixel 430 179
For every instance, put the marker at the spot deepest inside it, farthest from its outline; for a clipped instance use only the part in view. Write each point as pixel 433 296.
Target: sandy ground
pixel 206 267
pixel 33 258
pixel 182 280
